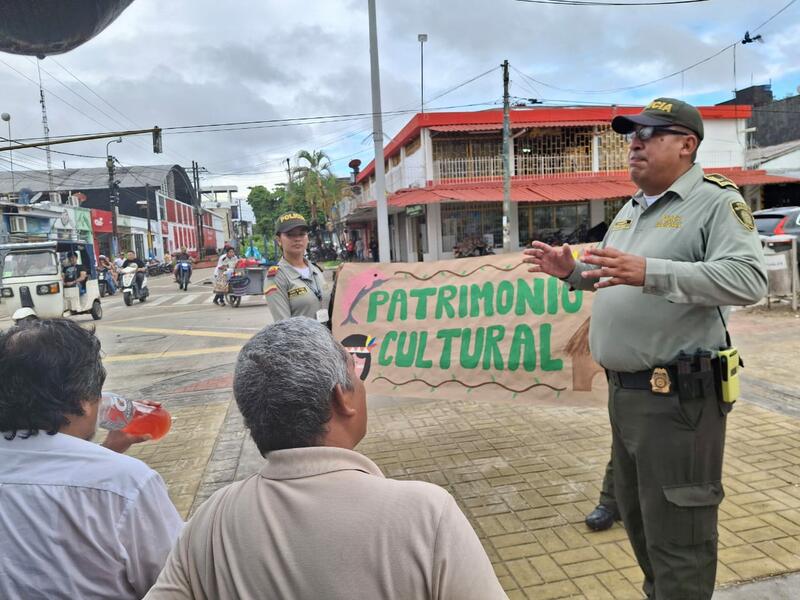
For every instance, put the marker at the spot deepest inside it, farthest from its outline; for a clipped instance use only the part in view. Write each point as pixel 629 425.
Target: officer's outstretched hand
pixel 619 267
pixel 553 260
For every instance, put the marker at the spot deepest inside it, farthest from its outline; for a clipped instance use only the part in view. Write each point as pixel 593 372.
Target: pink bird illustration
pixel 358 287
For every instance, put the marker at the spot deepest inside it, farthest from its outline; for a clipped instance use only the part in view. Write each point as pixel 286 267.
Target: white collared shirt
pixel 80 521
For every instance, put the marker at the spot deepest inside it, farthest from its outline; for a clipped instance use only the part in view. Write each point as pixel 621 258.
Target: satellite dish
pixel 47 27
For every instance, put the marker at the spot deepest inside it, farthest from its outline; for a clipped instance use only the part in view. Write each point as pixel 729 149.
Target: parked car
pixel 778 221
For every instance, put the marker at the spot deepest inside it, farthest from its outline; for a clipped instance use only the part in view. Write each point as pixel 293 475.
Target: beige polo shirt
pixel 324 523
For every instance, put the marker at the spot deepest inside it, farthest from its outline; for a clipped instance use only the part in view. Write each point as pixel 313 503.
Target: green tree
pixel 315 183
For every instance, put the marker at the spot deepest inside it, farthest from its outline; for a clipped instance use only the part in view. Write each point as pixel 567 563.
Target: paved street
pixel 525 475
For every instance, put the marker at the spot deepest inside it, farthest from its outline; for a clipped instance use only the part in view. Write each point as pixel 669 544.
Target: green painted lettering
pixel 571 301
pixel 376 299
pixel 422 296
pixel 480 293
pixel 405 354
pixel 469 359
pixel 530 297
pixel 447 336
pixel 463 301
pixel 552 295
pixel 523 345
pixel 383 359
pixel 399 302
pixel 421 362
pixel 492 354
pixel 443 302
pixel 505 297
pixel 548 363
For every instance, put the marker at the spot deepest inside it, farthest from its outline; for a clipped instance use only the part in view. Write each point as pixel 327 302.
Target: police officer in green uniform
pixel 682 248
pixel 296 287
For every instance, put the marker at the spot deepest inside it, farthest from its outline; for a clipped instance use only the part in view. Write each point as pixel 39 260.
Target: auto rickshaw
pixel 32 278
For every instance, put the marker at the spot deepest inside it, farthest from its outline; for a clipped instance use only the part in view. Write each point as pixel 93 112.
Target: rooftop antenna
pixel 45 126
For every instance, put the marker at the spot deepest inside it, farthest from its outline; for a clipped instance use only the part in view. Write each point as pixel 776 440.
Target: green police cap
pixel 289 221
pixel 662 112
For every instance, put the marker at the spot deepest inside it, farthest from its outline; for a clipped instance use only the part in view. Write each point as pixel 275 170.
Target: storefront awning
pixel 552 189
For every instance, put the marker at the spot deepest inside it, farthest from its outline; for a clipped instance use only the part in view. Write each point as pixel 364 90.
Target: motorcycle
pixel 130 288
pixel 183 274
pixel 102 283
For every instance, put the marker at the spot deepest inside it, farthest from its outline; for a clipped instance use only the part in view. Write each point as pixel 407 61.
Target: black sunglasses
pixel 645 133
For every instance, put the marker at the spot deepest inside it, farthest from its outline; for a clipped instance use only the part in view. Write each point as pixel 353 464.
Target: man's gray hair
pixel 283 383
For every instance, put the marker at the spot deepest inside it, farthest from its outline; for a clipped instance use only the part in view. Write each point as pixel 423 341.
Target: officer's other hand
pixel 553 260
pixel 620 268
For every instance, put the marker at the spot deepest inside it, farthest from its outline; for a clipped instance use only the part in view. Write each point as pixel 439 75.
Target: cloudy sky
pixel 195 62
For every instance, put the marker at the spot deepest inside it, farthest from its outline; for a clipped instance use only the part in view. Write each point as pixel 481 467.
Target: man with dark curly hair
pixel 78 520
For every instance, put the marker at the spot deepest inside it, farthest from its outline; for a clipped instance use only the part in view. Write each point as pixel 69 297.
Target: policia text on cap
pixel 682 247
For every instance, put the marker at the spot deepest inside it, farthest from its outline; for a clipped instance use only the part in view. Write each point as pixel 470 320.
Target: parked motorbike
pixel 131 290
pixel 154 268
pixel 472 246
pixel 183 274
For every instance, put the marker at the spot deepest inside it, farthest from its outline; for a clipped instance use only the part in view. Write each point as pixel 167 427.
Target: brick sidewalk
pixel 526 475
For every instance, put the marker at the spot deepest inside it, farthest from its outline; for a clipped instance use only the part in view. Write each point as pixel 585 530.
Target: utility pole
pixel 198 208
pixel 506 164
pixel 112 201
pixel 422 38
pixel 45 127
pixel 377 134
pixel 149 232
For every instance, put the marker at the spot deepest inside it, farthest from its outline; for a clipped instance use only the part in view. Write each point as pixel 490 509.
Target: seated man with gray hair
pixel 320 520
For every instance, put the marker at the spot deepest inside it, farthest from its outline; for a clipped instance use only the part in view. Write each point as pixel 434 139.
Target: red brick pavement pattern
pixel 217 383
pixel 526 476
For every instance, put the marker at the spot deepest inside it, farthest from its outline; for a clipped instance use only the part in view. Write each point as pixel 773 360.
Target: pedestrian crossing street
pixel 185 299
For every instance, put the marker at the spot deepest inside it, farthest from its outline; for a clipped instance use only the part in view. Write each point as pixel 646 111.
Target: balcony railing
pixel 488 168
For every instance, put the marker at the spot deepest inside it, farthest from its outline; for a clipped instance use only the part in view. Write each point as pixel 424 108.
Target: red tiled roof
pixel 558 189
pixel 534 117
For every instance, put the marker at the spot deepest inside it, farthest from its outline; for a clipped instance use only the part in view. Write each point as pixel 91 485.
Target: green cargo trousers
pixel 667 465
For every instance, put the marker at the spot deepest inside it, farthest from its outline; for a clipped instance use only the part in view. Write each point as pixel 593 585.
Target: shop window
pixel 553 223
pixel 470 219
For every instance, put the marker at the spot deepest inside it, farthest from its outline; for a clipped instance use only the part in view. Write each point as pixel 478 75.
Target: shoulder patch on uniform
pixel 272 271
pixel 720 180
pixel 270 289
pixel 743 214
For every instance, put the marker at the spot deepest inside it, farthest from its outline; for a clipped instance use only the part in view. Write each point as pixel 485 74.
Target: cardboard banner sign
pixel 481 326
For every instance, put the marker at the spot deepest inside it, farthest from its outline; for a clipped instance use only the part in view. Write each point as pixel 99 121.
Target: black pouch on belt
pixel 696 383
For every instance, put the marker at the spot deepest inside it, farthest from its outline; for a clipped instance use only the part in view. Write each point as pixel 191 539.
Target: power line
pixel 659 79
pixel 106 102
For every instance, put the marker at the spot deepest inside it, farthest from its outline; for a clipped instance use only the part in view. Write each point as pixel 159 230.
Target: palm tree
pixel 314 174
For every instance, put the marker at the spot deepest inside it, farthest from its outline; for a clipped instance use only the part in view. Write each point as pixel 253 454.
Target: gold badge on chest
pixel 298 291
pixel 670 222
pixel 621 225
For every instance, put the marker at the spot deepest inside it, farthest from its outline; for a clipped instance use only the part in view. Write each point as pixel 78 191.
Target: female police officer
pixel 296 287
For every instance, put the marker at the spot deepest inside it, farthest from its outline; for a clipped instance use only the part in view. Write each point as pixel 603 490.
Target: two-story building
pixel 444 176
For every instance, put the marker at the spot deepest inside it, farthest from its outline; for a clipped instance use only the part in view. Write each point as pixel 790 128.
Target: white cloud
pixel 201 61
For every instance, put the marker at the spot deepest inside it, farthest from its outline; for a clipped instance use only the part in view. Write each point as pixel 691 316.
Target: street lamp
pixel 421 38
pixel 7 118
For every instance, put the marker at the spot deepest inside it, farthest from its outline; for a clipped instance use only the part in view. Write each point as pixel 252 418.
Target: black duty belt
pixel 665 379
pixel 640 380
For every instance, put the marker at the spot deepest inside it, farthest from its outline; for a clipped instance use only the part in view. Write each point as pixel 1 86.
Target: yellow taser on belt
pixel 729 374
